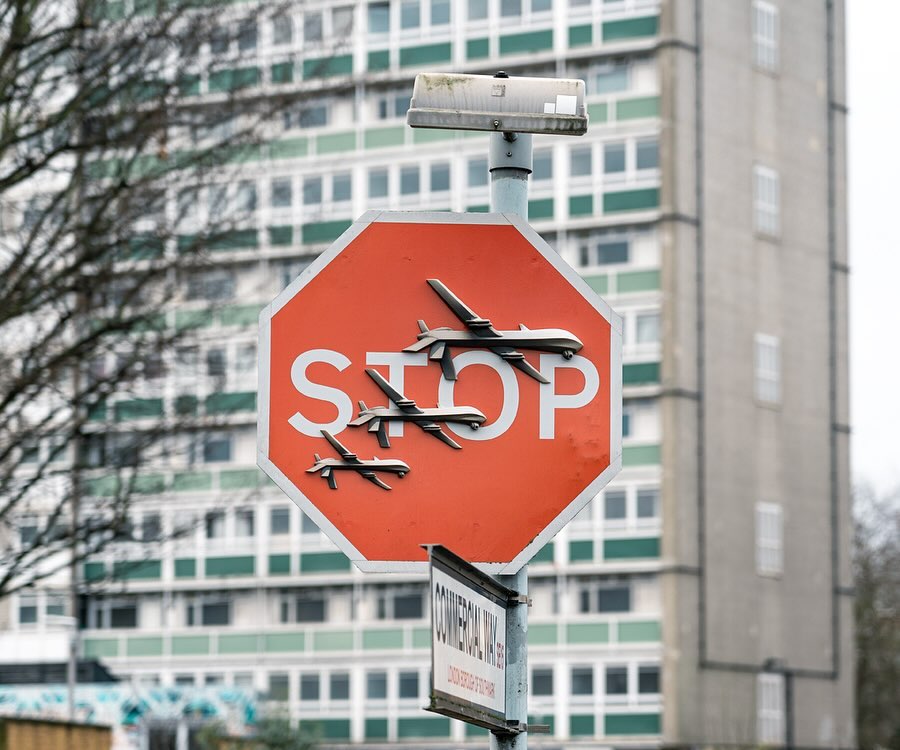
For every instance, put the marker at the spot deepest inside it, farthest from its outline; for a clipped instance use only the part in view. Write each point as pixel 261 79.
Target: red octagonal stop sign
pixel 438 378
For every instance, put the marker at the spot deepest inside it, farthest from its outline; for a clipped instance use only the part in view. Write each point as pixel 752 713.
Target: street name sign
pixel 439 378
pixel 468 642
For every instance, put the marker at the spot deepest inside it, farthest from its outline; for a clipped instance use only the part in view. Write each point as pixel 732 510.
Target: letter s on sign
pixel 320 392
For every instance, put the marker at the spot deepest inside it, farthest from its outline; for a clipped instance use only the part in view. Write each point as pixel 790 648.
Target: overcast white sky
pixel 874 100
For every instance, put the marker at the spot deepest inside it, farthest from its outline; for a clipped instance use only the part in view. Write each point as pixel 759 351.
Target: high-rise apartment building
pixel 703 598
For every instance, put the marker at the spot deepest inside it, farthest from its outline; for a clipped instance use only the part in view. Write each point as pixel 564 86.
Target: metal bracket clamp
pixel 519 727
pixel 519 599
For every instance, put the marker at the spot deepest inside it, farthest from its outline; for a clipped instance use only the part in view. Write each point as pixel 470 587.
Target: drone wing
pixel 517 360
pixel 347 455
pixel 370 475
pixel 474 322
pixel 328 475
pixel 406 405
pixel 433 428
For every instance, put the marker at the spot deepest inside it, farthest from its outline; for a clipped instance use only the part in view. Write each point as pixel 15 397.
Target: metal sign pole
pixel 510 163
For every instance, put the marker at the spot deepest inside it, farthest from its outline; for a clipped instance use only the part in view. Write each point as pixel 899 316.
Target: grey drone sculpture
pixel 406 410
pixel 481 334
pixel 349 461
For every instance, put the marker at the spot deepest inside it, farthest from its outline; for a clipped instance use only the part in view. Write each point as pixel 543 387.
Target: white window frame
pixel 769 539
pixel 765 35
pixel 770 708
pixel 767 368
pixel 766 200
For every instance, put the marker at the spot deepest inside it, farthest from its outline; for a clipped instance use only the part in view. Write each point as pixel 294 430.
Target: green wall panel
pixel 379 60
pixel 598 112
pixel 192 481
pixel 587 632
pixel 631 724
pixel 630 200
pixel 190 645
pixel 281 236
pixel 529 41
pixel 239 479
pixel 645 373
pixel 376 729
pixel 289 148
pixel 240 315
pixel 329 729
pixel 422 726
pixel 426 54
pixel 185 319
pixel 548 719
pixel 144 646
pixel 232 79
pixel 282 72
pixel 327 67
pixel 149 484
pixel 638 632
pixel 383 137
pixel 629 28
pixel 421 638
pixel 542 635
pixel 226 403
pixel 581 550
pixel 431 135
pixel 238 643
pixel 333 640
pixel 279 565
pixel 634 109
pixel 581 725
pixel 382 639
pixel 637 281
pixel 542 208
pixel 94 571
pixel 581 205
pixel 103 486
pixel 544 554
pixel 235 239
pixel 139 408
pixel 599 284
pixel 186 406
pixel 581 35
pixel 98 648
pixel 284 642
pixel 335 143
pixel 480 209
pixel 137 570
pixel 185 567
pixel 477 49
pixel 324 562
pixel 324 231
pixel 243 565
pixel 640 455
pixel 628 549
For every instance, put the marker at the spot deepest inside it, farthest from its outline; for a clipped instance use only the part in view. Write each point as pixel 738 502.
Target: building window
pixel 208 613
pixel 648 503
pixel 215 524
pixel 342 21
pixel 770 709
pixel 378 183
pixel 440 177
pixel 582 681
pixel 478 172
pixel 580 161
pixel 766 200
pixel 617 680
pixel 339 686
pixel 282 30
pixel 440 12
pixel 605 598
pixel 282 193
pixel 401 605
pixel 341 187
pixel 646 329
pixel 312 27
pixel 648 680
pixel 151 527
pixel 765 35
pixel 123 616
pixel 409 180
pixel 278 686
pixel 510 8
pixel 408 685
pixel 376 685
pixel 614 507
pixel 247 35
pixel 307 525
pixel 244 522
pixel 184 680
pixel 647 154
pixel 542 681
pixel 215 362
pixel 767 368
pixel 611 78
pixel 28 610
pixel 280 520
pixel 28 532
pixel 614 158
pixel 769 539
pixel 312 191
pixel 309 687
pixel 542 166
pixel 311 608
pixel 477 10
pixel 410 16
pixel 56 605
pixel 379 18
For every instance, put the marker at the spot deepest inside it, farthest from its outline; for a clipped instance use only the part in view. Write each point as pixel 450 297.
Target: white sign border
pixel 438 217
